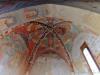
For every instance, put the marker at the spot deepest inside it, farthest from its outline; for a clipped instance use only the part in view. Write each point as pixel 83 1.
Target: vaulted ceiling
pixel 32 32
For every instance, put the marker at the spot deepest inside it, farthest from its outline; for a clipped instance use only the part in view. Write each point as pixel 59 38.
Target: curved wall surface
pixel 20 33
pixel 88 24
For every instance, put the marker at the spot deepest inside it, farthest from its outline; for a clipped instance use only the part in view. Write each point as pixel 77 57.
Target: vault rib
pixel 69 61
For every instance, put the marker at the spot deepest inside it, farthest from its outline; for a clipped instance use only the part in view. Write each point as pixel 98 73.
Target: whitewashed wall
pixel 50 65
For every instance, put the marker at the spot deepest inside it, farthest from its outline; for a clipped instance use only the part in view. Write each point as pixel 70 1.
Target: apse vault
pixel 49 39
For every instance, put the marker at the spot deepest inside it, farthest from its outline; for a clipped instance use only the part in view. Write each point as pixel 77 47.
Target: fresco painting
pixel 34 34
pixel 23 44
pixel 30 13
pixel 44 35
pixel 20 42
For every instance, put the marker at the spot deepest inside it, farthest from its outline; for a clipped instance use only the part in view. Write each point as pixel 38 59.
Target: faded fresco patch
pixel 19 42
